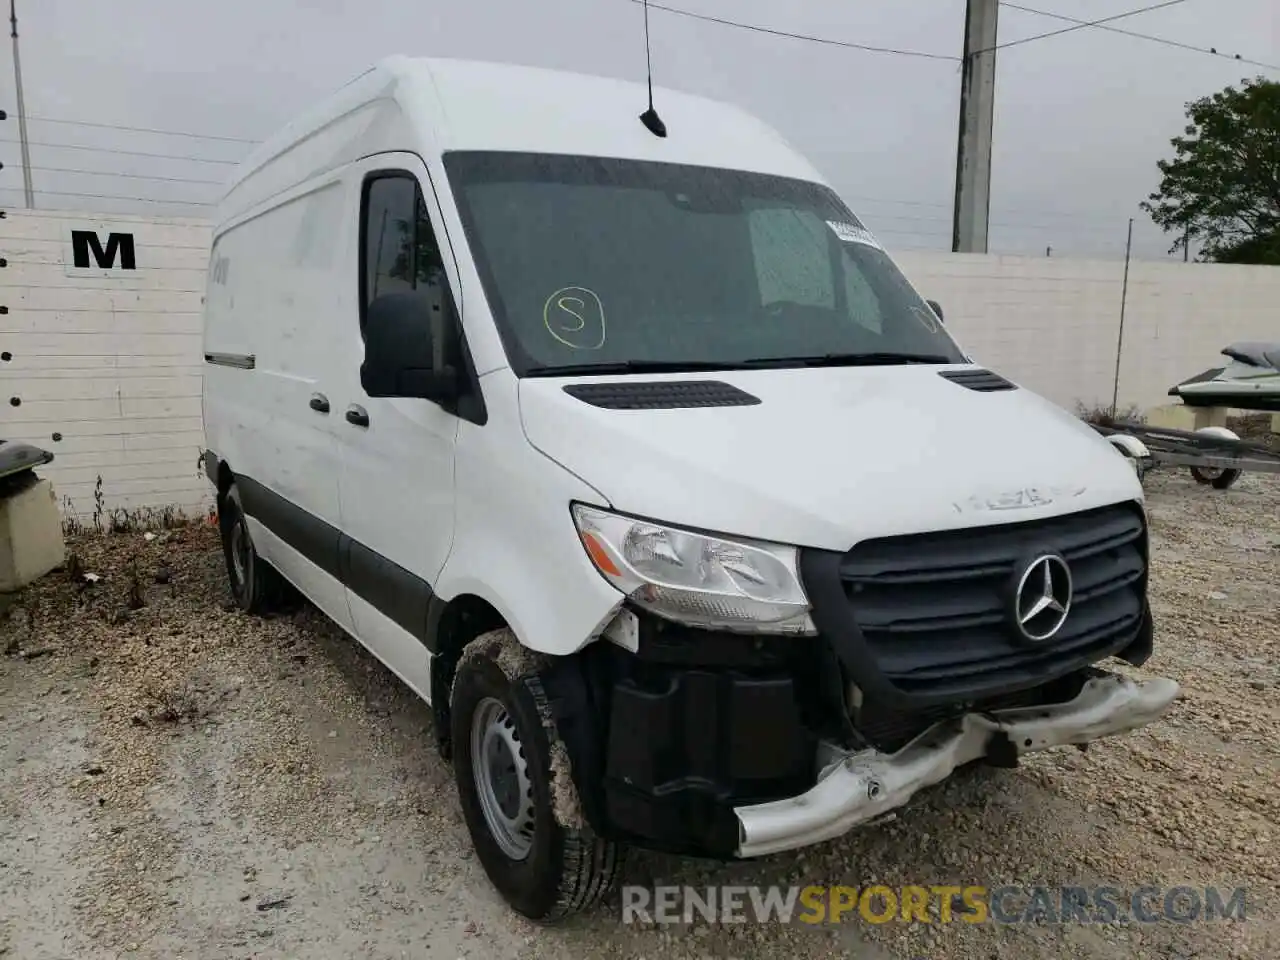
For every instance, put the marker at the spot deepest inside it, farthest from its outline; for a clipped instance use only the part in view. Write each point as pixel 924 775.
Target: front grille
pixel 932 608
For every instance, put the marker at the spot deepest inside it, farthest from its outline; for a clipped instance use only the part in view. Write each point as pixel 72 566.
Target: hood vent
pixel 983 381
pixel 661 395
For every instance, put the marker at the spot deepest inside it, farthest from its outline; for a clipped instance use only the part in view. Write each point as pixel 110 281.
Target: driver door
pixel 397 484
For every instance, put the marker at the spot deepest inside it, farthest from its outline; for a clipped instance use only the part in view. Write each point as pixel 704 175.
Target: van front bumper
pixel 854 788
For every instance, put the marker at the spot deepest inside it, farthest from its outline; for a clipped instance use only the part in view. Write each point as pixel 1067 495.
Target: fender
pixel 515 545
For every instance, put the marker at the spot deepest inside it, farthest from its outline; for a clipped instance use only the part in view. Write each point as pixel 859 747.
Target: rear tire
pixel 504 739
pixel 256 587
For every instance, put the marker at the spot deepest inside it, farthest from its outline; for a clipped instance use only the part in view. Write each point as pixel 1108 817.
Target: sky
pixel 1081 118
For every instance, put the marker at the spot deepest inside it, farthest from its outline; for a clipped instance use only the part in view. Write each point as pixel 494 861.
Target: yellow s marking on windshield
pixel 575 317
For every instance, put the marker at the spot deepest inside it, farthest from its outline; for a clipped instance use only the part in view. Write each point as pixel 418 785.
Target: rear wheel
pixel 516 790
pixel 255 585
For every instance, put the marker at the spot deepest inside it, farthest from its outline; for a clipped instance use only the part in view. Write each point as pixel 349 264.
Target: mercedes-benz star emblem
pixel 1041 598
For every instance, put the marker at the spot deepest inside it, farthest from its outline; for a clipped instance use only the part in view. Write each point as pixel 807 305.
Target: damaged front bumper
pixel 858 787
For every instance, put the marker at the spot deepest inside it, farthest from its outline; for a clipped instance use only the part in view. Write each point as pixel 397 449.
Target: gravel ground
pixel 178 780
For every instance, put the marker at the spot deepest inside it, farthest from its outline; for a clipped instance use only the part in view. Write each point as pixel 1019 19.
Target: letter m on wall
pixel 85 243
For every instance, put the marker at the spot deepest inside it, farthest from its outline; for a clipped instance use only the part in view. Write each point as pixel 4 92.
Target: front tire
pixel 513 796
pixel 255 585
pixel 1217 477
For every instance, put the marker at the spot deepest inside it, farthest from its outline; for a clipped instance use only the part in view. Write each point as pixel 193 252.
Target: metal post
pixel 24 145
pixel 1124 297
pixel 977 119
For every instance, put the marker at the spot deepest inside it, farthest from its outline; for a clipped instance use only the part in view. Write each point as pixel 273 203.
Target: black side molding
pixel 312 537
pixel 398 594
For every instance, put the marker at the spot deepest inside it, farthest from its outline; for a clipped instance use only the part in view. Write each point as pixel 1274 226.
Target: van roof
pixel 430 106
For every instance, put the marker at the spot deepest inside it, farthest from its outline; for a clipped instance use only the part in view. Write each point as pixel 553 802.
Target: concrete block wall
pixel 1052 324
pixel 108 357
pixel 101 364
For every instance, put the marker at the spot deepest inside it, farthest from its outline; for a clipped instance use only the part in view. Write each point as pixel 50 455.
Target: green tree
pixel 1222 186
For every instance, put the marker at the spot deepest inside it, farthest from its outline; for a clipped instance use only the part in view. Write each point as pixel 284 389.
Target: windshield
pixel 631 264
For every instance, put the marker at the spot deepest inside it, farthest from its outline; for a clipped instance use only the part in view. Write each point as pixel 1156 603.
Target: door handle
pixel 319 403
pixel 357 415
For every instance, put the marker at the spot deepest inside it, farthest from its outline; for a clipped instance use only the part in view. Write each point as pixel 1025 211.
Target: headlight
pixel 695 578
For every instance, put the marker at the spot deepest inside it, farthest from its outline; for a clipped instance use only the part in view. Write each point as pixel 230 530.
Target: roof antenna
pixel 652 122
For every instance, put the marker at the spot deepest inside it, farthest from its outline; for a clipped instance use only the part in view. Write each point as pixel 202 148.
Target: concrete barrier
pixel 30 536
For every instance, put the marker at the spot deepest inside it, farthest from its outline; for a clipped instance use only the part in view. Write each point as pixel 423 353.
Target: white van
pixel 639 460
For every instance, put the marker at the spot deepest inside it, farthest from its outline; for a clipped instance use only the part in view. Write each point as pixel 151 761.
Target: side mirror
pixel 399 348
pixel 936 307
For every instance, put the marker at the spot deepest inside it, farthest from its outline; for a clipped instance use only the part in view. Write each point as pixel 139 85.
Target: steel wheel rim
pixel 501 775
pixel 240 553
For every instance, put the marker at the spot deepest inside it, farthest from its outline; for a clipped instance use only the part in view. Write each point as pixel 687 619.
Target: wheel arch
pixel 451 625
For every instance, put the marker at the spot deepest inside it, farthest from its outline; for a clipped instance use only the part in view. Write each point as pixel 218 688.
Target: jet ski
pixel 1251 381
pixel 17 465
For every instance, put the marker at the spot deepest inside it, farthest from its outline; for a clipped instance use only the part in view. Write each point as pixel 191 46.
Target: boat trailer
pixel 1215 456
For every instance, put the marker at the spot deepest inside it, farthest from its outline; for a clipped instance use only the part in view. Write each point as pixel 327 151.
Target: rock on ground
pixel 179 780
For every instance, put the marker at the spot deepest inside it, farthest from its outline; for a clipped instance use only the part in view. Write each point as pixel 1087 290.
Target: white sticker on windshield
pixel 852 233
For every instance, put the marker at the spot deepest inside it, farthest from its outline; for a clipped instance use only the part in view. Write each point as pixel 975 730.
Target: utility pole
pixel 977 119
pixel 1124 299
pixel 25 146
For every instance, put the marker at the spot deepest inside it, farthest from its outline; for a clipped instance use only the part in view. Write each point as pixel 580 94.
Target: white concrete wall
pixel 1052 324
pixel 110 359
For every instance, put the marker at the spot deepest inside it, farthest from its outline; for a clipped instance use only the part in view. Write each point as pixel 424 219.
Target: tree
pixel 1222 186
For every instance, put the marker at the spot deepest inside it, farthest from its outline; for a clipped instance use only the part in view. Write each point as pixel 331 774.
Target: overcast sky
pixel 1081 119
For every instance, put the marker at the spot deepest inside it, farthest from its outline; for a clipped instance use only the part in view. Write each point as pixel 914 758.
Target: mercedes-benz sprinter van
pixel 638 459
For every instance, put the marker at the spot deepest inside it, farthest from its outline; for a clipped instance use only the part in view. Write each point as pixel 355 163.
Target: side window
pixel 401 255
pixel 793 260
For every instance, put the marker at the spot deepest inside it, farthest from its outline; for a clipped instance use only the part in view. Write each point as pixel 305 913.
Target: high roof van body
pixel 639 460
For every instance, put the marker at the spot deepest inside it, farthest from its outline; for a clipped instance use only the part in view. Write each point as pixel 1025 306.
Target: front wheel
pixel 516 790
pixel 1217 477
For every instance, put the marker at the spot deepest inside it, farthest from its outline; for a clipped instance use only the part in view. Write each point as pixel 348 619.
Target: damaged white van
pixel 627 447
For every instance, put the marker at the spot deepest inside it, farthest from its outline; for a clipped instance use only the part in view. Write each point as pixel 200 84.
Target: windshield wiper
pixel 633 366
pixel 872 359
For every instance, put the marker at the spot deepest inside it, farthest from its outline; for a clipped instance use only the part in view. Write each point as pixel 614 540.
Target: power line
pixel 861 198
pixel 1143 36
pixel 869 48
pixel 199 268
pixel 155 130
pixel 131 176
pixel 1012 211
pixel 1100 23
pixel 1005 224
pixel 1081 24
pixel 864 198
pixel 123 153
pixel 114 196
pixel 54 241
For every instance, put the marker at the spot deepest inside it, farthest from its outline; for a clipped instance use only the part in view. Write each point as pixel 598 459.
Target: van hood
pixel 830 456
